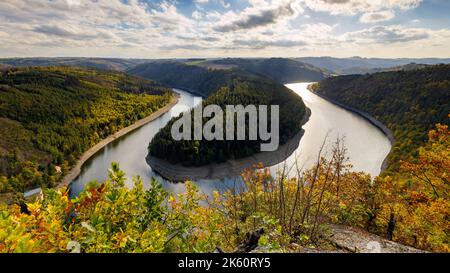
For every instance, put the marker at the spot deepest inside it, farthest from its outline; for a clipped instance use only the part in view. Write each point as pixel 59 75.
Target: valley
pixel 333 162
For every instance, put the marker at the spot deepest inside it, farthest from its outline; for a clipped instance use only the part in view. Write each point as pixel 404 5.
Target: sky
pixel 224 28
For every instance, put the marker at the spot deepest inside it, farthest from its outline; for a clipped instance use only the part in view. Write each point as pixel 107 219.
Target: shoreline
pixel 386 131
pixel 230 168
pixel 75 171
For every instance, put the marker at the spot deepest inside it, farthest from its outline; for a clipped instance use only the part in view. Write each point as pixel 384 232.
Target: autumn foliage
pixel 417 200
pixel 294 208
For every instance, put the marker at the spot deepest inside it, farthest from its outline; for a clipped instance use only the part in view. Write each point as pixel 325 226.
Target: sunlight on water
pixel 367 146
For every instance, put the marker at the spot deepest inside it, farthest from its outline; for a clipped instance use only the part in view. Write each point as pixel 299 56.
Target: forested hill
pixel 282 70
pixel 226 87
pixel 409 103
pixel 115 64
pixel 192 78
pixel 204 76
pixel 50 115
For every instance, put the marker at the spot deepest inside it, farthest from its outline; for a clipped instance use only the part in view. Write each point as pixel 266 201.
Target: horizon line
pixel 212 58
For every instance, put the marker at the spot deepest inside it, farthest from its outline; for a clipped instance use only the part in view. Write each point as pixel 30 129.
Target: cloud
pixel 183 46
pixel 62 32
pixel 3 34
pixel 196 15
pixel 352 7
pixel 225 4
pixel 378 16
pixel 166 28
pixel 387 35
pixel 168 19
pixel 254 18
pixel 73 2
pixel 262 44
pixel 107 24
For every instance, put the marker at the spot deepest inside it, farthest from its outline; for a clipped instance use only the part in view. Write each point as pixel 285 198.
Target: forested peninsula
pixel 221 87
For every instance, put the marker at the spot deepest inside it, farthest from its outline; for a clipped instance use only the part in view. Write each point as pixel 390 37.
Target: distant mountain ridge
pixel 359 65
pixel 204 76
pixel 282 70
pixel 115 64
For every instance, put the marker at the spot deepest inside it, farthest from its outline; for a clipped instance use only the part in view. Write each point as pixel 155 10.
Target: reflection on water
pixel 367 146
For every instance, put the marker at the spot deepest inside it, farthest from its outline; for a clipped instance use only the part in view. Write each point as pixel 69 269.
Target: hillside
pixel 50 115
pixel 192 78
pixel 115 64
pixel 281 70
pixel 204 76
pixel 407 102
pixel 406 67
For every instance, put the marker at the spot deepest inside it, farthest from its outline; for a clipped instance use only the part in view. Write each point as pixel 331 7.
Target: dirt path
pixel 75 171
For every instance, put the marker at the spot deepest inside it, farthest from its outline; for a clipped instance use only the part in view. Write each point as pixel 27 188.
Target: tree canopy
pixel 50 115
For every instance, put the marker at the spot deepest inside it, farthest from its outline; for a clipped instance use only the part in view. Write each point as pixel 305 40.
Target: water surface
pixel 366 145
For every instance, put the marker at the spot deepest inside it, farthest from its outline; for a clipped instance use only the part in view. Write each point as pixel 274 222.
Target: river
pixel 366 145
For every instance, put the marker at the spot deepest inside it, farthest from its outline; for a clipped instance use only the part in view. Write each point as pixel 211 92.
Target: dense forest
pixel 50 115
pixel 204 76
pixel 233 88
pixel 407 102
pixel 282 70
pixel 192 78
pixel 115 64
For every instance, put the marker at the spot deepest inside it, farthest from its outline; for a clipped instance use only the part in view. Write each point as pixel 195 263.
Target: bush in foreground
pixel 282 213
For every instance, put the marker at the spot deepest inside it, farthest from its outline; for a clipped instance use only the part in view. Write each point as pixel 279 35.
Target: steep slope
pixel 407 102
pixel 50 115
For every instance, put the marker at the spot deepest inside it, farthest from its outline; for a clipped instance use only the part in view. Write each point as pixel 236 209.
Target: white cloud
pixel 197 15
pixel 107 24
pixel 225 4
pixel 73 2
pixel 352 7
pixel 377 16
pixel 117 28
pixel 259 14
pixel 387 35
